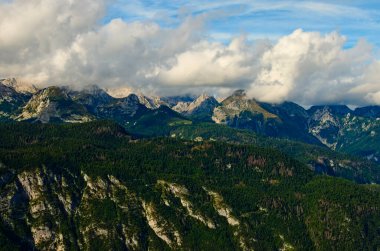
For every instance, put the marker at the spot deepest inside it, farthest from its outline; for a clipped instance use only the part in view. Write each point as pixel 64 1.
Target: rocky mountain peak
pixel 203 104
pixel 235 104
pixel 19 86
pixel 325 124
pixel 91 95
pixel 133 98
pixel 151 102
pixel 204 98
pixel 53 104
pixel 6 91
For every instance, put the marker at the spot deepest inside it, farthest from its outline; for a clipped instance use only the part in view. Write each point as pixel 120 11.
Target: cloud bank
pixel 66 42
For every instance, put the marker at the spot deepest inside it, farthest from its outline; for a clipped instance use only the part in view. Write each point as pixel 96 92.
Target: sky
pixel 309 52
pixel 262 19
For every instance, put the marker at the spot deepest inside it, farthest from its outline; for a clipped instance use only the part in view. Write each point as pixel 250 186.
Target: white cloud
pixel 311 68
pixel 305 67
pixel 212 64
pixel 373 98
pixel 64 42
pixel 33 31
pixel 370 86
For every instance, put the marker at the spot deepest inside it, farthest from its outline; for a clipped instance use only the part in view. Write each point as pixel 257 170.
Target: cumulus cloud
pixel 305 67
pixel 311 68
pixel 33 32
pixel 66 42
pixel 213 64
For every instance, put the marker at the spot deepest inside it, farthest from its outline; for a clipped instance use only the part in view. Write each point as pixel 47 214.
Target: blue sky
pixel 261 19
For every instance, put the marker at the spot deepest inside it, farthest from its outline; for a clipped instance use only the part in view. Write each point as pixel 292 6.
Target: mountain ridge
pixel 335 126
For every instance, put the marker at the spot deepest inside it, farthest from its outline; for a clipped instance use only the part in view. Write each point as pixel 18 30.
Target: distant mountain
pixel 11 101
pixel 201 108
pixel 171 101
pixel 19 86
pixel 369 111
pixel 335 126
pixel 320 159
pixel 337 110
pixel 294 120
pixel 63 104
pixel 342 129
pixel 286 120
pixel 325 124
pixel 360 136
pixel 239 111
pixel 104 106
pixel 150 102
pixel 53 104
pixel 90 96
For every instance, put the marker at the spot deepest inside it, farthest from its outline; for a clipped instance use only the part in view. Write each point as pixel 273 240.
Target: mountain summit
pixel 19 86
pixel 204 104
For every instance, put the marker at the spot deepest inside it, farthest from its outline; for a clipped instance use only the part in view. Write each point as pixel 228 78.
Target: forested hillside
pixel 93 186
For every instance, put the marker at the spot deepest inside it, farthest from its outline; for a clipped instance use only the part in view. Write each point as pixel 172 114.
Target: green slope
pixel 92 186
pixel 320 159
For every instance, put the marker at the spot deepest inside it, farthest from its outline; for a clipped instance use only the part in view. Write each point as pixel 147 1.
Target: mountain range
pixel 81 169
pixel 334 126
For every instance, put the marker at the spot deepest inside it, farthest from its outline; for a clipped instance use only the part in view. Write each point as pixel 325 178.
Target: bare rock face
pixel 237 103
pixel 19 86
pixel 162 228
pixel 152 102
pixel 63 212
pixel 181 107
pixel 103 201
pixel 183 194
pixel 342 129
pixel 37 185
pixel 53 103
pixel 204 104
pixel 11 100
pixel 325 126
